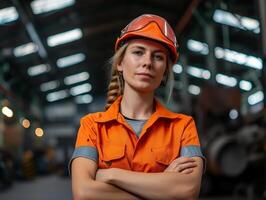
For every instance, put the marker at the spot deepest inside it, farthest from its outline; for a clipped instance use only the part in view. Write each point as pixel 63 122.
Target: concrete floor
pixel 52 187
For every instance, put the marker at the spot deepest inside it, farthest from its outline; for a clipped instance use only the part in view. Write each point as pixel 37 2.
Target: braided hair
pixel 116 84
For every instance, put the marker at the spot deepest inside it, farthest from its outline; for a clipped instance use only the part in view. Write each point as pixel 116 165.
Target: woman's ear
pixel 119 67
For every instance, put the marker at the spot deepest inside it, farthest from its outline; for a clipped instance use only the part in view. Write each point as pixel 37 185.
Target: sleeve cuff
pixel 86 152
pixel 193 151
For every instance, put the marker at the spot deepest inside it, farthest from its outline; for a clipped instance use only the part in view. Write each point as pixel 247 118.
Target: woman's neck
pixel 137 105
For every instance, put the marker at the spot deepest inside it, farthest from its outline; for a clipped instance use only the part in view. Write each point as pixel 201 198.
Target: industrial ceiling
pixel 220 44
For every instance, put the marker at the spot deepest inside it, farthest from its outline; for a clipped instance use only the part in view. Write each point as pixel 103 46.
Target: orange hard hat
pixel 153 27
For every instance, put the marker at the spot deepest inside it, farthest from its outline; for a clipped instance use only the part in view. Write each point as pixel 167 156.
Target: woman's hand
pixel 183 165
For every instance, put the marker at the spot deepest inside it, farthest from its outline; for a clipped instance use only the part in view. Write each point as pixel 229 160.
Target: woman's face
pixel 143 65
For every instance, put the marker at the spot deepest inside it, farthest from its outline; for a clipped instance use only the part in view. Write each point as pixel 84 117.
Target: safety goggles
pixel 142 22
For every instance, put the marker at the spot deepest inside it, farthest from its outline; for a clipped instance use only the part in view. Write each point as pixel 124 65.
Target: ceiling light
pixel 39 132
pixel 25 49
pixel 245 85
pixel 233 114
pixel 65 37
pixel 83 76
pixel 8 15
pixel 80 89
pixel 38 69
pixel 197 46
pixel 25 123
pixel 177 68
pixel 70 60
pixel 84 99
pixel 43 6
pixel 54 96
pixel 226 80
pixel 49 86
pixel 254 62
pixel 227 54
pixel 239 58
pixel 198 72
pixel 250 24
pixel 7 111
pixel 256 98
pixel 194 89
pixel 245 23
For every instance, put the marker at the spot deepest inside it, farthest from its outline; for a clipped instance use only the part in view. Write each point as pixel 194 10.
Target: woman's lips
pixel 145 75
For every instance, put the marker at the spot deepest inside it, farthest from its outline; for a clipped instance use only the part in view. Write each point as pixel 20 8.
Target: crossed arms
pixel 180 180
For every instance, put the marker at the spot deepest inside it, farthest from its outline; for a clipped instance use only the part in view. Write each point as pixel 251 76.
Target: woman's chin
pixel 145 88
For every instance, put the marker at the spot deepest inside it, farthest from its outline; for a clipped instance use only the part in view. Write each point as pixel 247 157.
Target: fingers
pixel 187 171
pixel 182 164
pixel 182 160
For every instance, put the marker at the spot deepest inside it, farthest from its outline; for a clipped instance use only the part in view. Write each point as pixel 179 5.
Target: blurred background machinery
pixel 54 69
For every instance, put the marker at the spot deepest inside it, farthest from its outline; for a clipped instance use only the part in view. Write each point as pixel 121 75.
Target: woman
pixel 137 149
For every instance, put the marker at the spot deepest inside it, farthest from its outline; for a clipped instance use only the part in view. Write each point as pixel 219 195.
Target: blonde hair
pixel 116 83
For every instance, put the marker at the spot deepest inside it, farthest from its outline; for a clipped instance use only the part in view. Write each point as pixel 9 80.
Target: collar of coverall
pixel 113 112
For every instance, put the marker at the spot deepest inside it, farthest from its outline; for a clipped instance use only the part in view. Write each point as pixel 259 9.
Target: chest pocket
pixel 113 155
pixel 163 156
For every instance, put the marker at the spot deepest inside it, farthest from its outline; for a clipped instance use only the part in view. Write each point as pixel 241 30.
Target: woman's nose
pixel 147 60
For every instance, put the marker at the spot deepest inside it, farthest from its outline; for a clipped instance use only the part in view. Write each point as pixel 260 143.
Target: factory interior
pixel 54 69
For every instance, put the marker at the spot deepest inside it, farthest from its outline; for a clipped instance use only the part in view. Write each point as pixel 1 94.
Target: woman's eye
pixel 138 52
pixel 158 57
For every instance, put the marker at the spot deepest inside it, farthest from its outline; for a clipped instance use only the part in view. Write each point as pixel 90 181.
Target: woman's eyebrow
pixel 138 47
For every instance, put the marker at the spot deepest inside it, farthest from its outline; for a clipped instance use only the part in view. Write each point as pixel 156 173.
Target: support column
pixel 211 60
